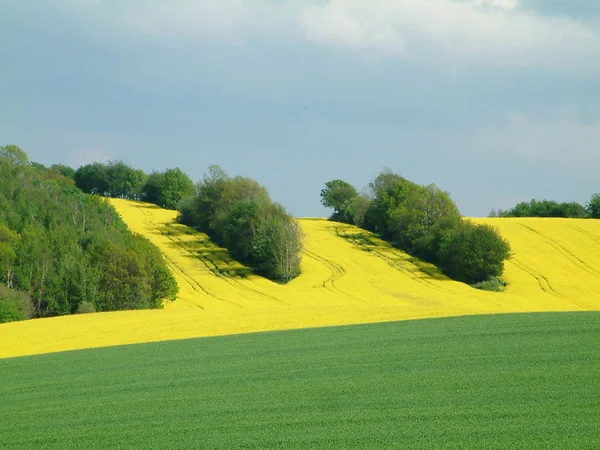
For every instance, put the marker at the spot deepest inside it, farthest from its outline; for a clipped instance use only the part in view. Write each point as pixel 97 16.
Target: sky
pixel 494 101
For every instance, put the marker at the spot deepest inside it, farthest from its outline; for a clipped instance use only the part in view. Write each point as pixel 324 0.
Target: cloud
pixel 494 32
pixel 82 157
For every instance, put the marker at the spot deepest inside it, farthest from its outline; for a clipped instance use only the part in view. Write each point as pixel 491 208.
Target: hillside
pixel 348 277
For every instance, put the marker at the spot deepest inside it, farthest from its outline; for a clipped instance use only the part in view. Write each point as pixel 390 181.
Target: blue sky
pixel 495 101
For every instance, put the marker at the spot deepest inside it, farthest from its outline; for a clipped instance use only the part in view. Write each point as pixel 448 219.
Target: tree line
pixel 236 213
pixel 116 179
pixel 550 208
pixel 63 251
pixel 423 221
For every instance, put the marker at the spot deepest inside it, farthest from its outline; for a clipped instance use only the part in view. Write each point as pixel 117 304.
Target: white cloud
pixel 82 157
pixel 490 32
pixel 494 32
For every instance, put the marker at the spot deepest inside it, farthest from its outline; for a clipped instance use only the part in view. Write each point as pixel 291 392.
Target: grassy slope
pixel 348 277
pixel 503 381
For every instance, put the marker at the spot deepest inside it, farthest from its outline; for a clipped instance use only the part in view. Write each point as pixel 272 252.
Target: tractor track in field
pixel 565 252
pixel 540 278
pixel 337 272
pixel 587 233
pixel 395 264
pixel 213 269
pixel 194 284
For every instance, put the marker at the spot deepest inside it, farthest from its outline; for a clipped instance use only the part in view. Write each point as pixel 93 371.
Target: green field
pixel 502 381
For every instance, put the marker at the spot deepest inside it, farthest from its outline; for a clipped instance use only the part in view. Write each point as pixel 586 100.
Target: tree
pixel 14 305
pixel 413 222
pixel 152 188
pixel 92 178
pixel 60 247
pixel 65 171
pixel 124 181
pixel 473 252
pixel 277 247
pixel 388 191
pixel 8 254
pixel 123 282
pixel 340 196
pixel 239 214
pixel 176 185
pixel 593 206
pixel 14 155
pixel 546 208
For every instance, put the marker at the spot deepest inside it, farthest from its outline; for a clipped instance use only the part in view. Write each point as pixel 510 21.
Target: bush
pixel 14 305
pixel 593 206
pixel 86 307
pixel 473 253
pixel 546 208
pixel 494 284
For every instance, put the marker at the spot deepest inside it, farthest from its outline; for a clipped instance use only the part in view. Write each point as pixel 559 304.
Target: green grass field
pixel 502 381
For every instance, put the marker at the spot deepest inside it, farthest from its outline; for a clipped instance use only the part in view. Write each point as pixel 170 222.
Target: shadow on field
pixel 199 246
pixel 396 258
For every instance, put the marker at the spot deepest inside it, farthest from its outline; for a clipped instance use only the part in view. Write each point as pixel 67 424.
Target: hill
pixel 348 277
pixel 501 381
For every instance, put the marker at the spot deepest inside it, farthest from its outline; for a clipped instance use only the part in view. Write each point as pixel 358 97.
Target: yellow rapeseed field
pixel 348 277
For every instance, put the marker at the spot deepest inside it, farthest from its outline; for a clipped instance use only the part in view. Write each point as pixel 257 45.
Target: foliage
pixel 239 214
pixel 340 196
pixel 13 155
pixel 86 307
pixel 473 253
pixel 14 305
pixel 546 208
pixel 166 189
pixel 115 179
pixel 494 284
pixel 482 382
pixel 593 206
pixel 417 219
pixel 62 247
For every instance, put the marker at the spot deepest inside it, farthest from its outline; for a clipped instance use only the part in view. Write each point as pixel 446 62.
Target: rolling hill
pixel 349 277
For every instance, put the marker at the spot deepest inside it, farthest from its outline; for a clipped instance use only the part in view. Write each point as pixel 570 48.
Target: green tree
pixel 92 178
pixel 593 206
pixel 14 305
pixel 388 192
pixel 340 196
pixel 65 171
pixel 473 252
pixel 239 214
pixel 152 187
pixel 124 283
pixel 8 255
pixel 61 248
pixel 124 181
pixel 413 222
pixel 175 186
pixel 14 155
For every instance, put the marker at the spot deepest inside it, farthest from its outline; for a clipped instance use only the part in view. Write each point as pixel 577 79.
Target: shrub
pixel 14 305
pixel 473 253
pixel 86 307
pixel 593 206
pixel 494 284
